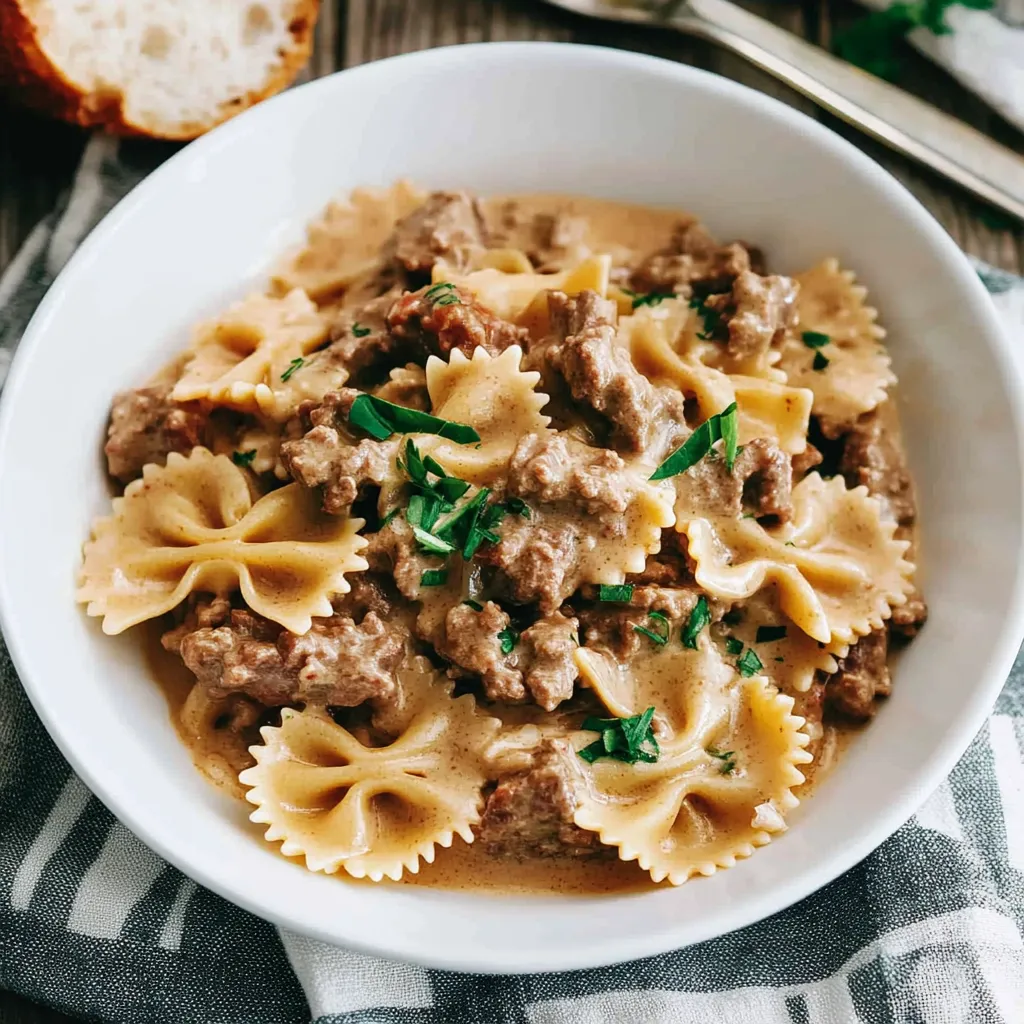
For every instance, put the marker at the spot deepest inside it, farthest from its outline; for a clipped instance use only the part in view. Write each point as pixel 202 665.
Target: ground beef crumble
pixel 863 675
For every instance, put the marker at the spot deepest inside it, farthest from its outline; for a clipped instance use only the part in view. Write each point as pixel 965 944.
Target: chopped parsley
pixel 391 515
pixel 711 317
pixel 769 634
pixel 434 578
pixel 359 330
pixel 518 507
pixel 509 638
pixel 243 459
pixel 381 419
pixel 648 298
pixel 727 757
pixel 699 618
pixel 720 427
pixel 442 294
pixel 661 637
pixel 294 365
pixel 819 362
pixel 475 605
pixel 733 645
pixel 621 594
pixel 428 542
pixel 749 664
pixel 815 339
pixel 624 739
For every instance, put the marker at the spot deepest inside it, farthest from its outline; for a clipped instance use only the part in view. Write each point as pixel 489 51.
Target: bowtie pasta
pixel 504 533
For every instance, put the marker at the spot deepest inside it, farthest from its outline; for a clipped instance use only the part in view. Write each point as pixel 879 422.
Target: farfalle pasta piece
pixel 509 294
pixel 374 811
pixel 722 784
pixel 343 246
pixel 192 526
pixel 790 658
pixel 662 345
pixel 837 566
pixel 858 373
pixel 247 358
pixel 492 395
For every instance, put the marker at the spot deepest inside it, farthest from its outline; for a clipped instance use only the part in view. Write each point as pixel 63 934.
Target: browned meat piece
pixel 199 611
pixel 873 455
pixel 863 675
pixel 327 459
pixel 145 426
pixel 547 657
pixel 336 663
pixel 540 560
pixel 613 626
pixel 670 567
pixel 551 240
pixel 441 326
pixel 473 644
pixel 368 592
pixel 693 261
pixel 600 373
pixel 761 480
pixel 448 224
pixel 530 814
pixel 757 311
pixel 807 460
pixel 556 467
pixel 907 619
pixel 360 338
pixel 393 550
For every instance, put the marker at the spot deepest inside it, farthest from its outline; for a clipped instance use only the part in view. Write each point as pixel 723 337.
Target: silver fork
pixel 892 116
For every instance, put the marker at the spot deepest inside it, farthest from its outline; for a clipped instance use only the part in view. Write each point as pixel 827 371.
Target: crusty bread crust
pixel 29 77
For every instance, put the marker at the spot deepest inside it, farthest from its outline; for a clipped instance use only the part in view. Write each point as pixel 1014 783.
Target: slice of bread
pixel 166 68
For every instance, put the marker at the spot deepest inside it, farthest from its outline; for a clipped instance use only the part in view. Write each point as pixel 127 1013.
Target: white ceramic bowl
pixel 510 117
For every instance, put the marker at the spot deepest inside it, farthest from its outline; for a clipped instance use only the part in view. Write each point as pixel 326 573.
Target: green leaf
pixel 699 618
pixel 397 419
pixel 624 739
pixel 509 638
pixel 750 664
pixel 434 578
pixel 430 543
pixel 733 645
pixel 661 637
pixel 292 367
pixel 727 757
pixel 815 339
pixel 649 298
pixel 769 634
pixel 711 317
pixel 698 444
pixel 475 605
pixel 518 507
pixel 451 526
pixel 619 594
pixel 819 362
pixel 243 459
pixel 359 330
pixel 730 436
pixel 387 519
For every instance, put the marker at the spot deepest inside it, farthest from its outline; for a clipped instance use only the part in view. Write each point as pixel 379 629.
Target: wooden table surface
pixel 38 158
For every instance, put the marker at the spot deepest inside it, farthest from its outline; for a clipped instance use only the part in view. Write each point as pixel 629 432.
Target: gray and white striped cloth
pixel 926 930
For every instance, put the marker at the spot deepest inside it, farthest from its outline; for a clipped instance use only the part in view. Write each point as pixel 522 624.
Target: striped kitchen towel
pixel 926 930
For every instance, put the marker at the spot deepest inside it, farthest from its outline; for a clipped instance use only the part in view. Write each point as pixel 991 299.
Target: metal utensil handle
pixel 896 118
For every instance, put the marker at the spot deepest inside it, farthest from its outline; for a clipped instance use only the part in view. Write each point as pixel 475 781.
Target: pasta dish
pixel 541 531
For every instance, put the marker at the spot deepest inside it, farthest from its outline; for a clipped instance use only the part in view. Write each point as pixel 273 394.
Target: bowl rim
pixel 603 950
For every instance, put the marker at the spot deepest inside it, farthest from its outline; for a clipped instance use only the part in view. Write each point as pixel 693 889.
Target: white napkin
pixel 985 52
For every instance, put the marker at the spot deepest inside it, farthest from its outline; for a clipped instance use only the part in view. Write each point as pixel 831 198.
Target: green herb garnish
pixel 292 367
pixel 733 645
pixel 727 757
pixel 243 459
pixel 430 543
pixel 475 605
pixel 699 618
pixel 750 663
pixel 768 634
pixel 819 362
pixel 659 638
pixel 711 317
pixel 518 507
pixel 619 594
pixel 359 330
pixel 509 638
pixel 648 298
pixel 434 578
pixel 442 294
pixel 721 426
pixel 387 519
pixel 871 42
pixel 815 339
pixel 381 419
pixel 624 739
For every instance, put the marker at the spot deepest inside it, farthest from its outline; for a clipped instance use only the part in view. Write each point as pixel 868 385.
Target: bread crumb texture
pixel 170 69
